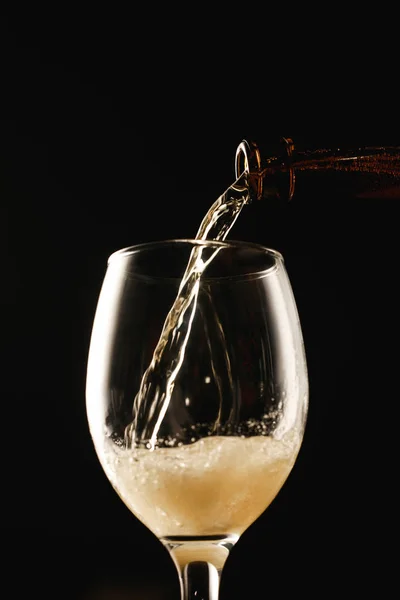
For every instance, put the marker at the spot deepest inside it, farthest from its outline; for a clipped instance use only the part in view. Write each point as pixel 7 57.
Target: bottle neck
pixel 276 171
pixel 269 168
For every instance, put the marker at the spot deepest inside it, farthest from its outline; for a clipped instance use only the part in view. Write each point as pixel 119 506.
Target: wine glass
pixel 227 402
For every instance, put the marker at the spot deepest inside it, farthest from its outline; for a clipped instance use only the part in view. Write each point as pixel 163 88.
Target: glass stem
pixel 199 581
pixel 199 563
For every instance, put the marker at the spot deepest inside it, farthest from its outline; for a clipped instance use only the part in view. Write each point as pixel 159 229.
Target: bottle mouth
pixel 268 170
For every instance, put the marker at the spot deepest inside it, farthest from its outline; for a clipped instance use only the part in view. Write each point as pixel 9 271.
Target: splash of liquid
pixel 157 384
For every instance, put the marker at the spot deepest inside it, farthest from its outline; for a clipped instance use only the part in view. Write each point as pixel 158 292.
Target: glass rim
pixel 141 247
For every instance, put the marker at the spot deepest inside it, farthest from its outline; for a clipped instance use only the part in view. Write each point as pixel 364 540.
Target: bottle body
pixel 277 170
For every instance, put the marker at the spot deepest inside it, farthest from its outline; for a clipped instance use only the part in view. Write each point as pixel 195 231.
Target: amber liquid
pixel 216 486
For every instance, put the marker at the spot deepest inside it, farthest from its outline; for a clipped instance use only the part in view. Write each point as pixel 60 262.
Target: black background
pixel 115 132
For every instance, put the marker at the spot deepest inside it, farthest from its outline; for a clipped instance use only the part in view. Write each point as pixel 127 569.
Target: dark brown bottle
pixel 278 171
